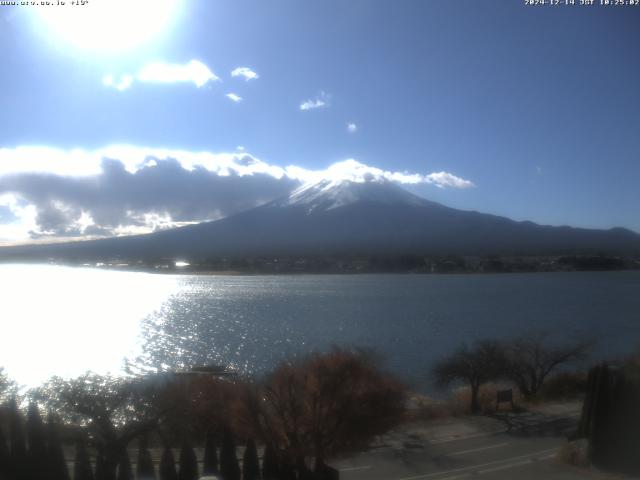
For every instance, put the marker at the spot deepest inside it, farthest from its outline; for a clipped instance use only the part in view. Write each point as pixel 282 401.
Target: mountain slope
pixel 343 217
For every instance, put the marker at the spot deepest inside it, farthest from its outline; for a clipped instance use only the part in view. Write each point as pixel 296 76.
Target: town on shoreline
pixel 354 264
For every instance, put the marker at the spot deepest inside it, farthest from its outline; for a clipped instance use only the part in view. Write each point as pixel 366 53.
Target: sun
pixel 110 26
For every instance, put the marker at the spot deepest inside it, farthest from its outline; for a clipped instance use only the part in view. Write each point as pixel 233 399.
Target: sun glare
pixel 109 26
pixel 84 319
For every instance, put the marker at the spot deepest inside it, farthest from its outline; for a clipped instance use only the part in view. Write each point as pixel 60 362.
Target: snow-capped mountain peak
pixel 330 194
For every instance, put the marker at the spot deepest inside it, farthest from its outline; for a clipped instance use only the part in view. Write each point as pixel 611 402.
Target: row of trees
pixel 305 412
pixel 525 361
pixel 44 457
pixel 36 453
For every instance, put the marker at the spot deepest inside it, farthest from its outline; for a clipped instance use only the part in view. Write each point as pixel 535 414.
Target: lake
pixel 64 321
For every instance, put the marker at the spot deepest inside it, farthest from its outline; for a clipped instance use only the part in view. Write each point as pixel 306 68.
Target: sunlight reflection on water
pixel 63 321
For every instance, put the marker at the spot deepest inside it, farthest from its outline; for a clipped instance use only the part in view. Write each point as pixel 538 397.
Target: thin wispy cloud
pixel 245 72
pixel 233 97
pixel 352 128
pixel 321 100
pixel 121 83
pixel 194 72
pixel 356 171
pixel 447 180
pixel 122 189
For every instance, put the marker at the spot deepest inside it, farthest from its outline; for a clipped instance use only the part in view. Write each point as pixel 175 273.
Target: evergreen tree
pixel 270 465
pixel 188 463
pixel 17 444
pixel 82 465
pixel 104 470
pixel 210 455
pixel 287 469
pixel 4 456
pixel 125 472
pixel 145 469
pixel 168 466
pixel 56 462
pixel 100 468
pixel 250 463
pixel 36 437
pixel 229 468
pixel 305 473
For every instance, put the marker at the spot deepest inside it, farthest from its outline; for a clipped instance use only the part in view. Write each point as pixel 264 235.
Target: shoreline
pixel 185 271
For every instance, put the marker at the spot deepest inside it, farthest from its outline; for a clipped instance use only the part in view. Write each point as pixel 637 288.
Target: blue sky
pixel 527 112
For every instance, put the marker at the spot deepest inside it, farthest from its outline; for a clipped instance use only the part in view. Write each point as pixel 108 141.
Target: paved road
pixel 492 456
pixel 525 449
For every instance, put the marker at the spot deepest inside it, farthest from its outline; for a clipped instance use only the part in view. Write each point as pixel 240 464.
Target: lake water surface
pixel 64 321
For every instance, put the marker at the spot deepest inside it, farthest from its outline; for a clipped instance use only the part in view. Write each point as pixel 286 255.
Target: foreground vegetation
pixel 304 412
pixel 289 423
pixel 526 362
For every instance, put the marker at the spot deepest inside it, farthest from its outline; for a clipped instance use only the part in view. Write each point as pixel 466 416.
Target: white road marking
pixel 497 469
pixel 517 464
pixel 456 477
pixel 506 467
pixel 463 452
pixel 471 468
pixel 352 469
pixel 437 441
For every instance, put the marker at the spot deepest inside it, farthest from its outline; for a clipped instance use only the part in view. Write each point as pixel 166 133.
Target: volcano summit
pixel 345 217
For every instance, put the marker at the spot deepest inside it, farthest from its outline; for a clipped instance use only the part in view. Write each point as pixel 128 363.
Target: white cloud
pixel 61 194
pixel 233 97
pixel 38 159
pixel 446 179
pixel 356 171
pixel 194 72
pixel 320 101
pixel 352 128
pixel 24 219
pixel 83 163
pixel 245 72
pixel 120 84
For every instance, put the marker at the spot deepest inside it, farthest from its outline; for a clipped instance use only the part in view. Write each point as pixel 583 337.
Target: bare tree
pixel 531 358
pixel 323 405
pixel 114 410
pixel 476 365
pixel 195 404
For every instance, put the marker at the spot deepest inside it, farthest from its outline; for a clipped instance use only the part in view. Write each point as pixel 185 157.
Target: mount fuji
pixel 330 217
